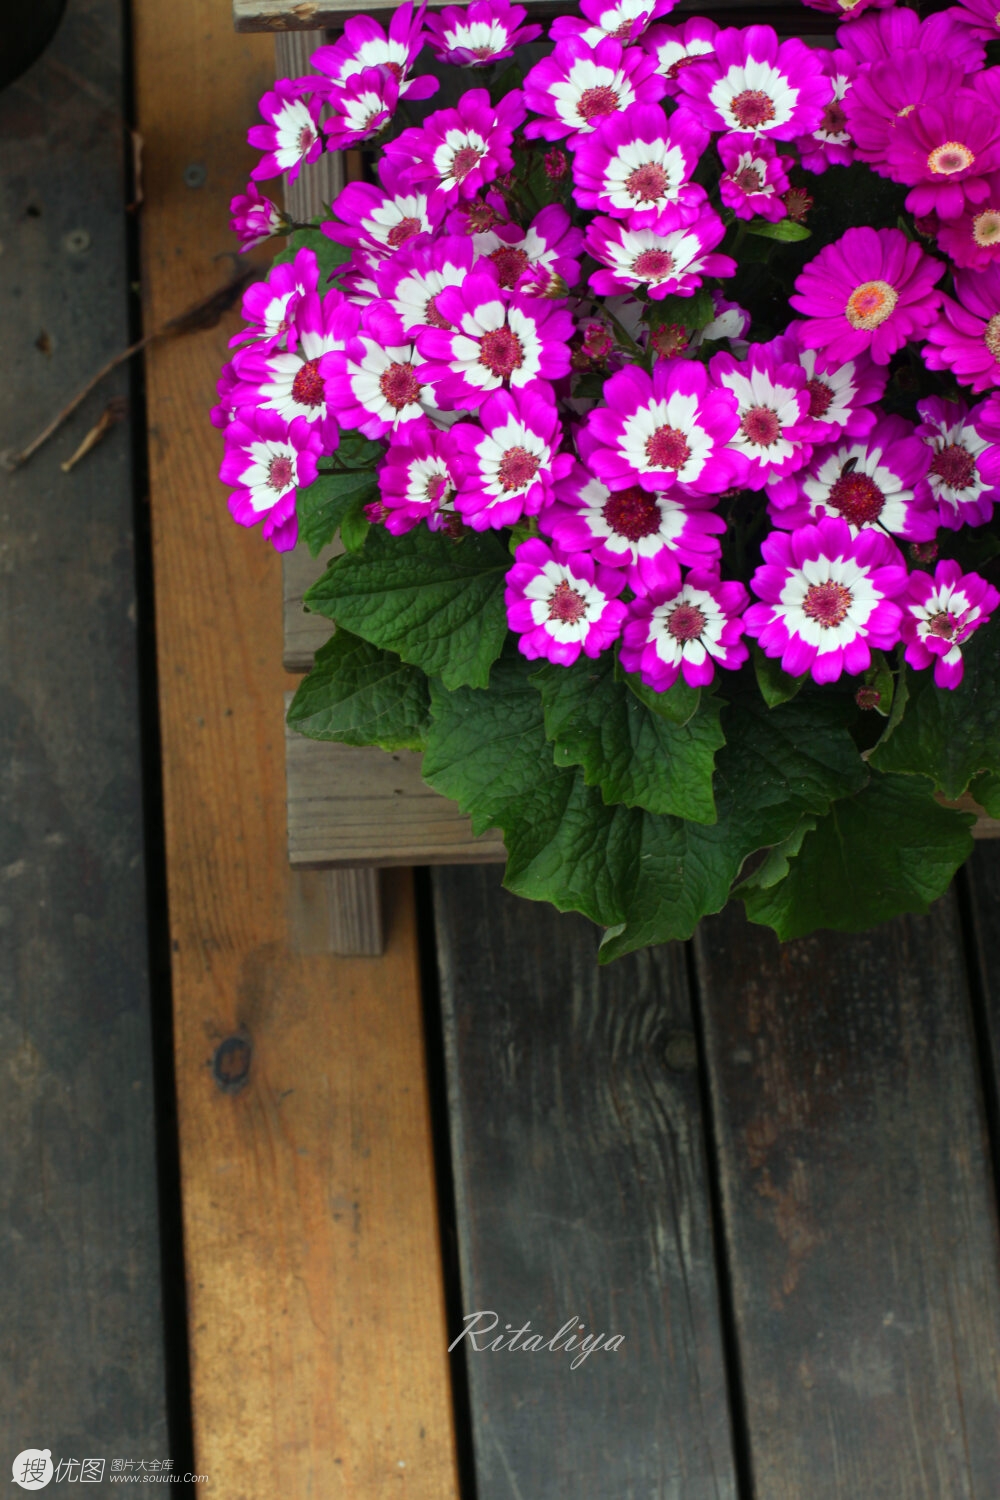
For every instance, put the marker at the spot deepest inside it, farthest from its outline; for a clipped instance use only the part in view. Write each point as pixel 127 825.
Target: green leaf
pixel 360 695
pixel 635 756
pixel 776 686
pixel 329 254
pixel 678 704
pixel 354 529
pixel 890 849
pixel 436 602
pixel 324 506
pixel 985 789
pixel 357 452
pixel 692 312
pixel 879 676
pixel 949 735
pixel 775 864
pixel 785 229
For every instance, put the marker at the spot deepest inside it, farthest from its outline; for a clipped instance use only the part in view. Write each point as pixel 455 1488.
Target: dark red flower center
pixel 686 622
pixel 667 449
pixel 954 466
pixel 566 604
pixel 511 263
pixel 464 162
pixel 404 230
pixel 280 473
pixel 308 386
pixel 647 183
pixel 682 62
pixel 827 603
pixel 517 469
pixel 834 121
pixel 752 108
pixel 432 317
pixel 501 352
pixel 482 217
pixel 632 513
pixel 748 180
pixel 305 138
pixel 944 626
pixel 602 100
pixel 820 397
pixel 399 385
pixel 857 498
pixel 395 68
pixel 761 426
pixel 653 265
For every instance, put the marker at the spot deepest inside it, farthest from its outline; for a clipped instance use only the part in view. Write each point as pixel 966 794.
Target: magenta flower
pixel 268 461
pixel 888 33
pixel 754 177
pixel 672 427
pixel 966 337
pixel 254 218
pixel 946 149
pixel 383 218
pixel 882 95
pixel 828 598
pixel 685 628
pixel 479 215
pixel 661 263
pixel 981 18
pixel 871 290
pixel 625 20
pixel 939 615
pixel 542 260
pixel 457 152
pixel 638 167
pixel 417 480
pixel 878 481
pixel 964 475
pixel 676 47
pixel 972 240
pixel 269 305
pixel 359 108
pixel 410 280
pixel 226 386
pixel 508 461
pixel 841 392
pixel 365 45
pixel 756 83
pixel 845 8
pixel 495 338
pixel 646 534
pixel 291 382
pixel 371 387
pixel 830 144
pixel 773 406
pixel 562 603
pixel 292 134
pixel 473 36
pixel 579 86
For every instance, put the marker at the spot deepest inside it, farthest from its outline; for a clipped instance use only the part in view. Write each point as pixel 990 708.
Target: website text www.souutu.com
pixel 157 1478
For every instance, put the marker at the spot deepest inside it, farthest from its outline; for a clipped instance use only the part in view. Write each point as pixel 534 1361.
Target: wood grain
pixel 317 1324
pixel 305 631
pixel 581 1190
pixel 860 1219
pixel 982 877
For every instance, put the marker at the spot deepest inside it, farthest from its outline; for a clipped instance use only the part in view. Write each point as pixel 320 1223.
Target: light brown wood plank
pixel 316 1309
pixel 305 631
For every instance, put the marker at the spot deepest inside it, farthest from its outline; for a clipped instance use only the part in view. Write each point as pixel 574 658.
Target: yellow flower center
pixel 950 158
pixel 870 304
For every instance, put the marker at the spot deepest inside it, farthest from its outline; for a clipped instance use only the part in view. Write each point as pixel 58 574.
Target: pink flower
pixel 228 383
pixel 672 427
pixel 980 16
pixel 508 461
pixel 685 628
pixel 939 614
pixel 972 240
pixel 291 136
pixel 828 597
pixel 290 382
pixel 773 406
pixel 542 260
pixel 754 177
pixel 841 392
pixel 269 305
pixel 966 337
pixel 371 387
pixel 673 48
pixel 638 167
pixel 473 36
pixel 830 144
pixel 255 218
pixel 646 534
pixel 383 218
pixel 964 475
pixel 494 338
pixel 579 86
pixel 359 108
pixel 456 152
pixel 410 281
pixel 877 481
pixel 756 83
pixel 662 264
pixel 562 603
pixel 417 480
pixel 625 20
pixel 883 94
pixel 268 461
pixel 946 149
pixel 888 33
pixel 365 45
pixel 871 290
pixel 845 8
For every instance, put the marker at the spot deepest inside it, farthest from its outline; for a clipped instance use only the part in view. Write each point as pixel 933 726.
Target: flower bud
pixel 868 697
pixel 669 340
pixel 556 164
pixel 923 552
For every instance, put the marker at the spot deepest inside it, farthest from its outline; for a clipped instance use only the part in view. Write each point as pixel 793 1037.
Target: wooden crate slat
pixel 983 876
pixel 581 1189
pixel 304 630
pixel 859 1210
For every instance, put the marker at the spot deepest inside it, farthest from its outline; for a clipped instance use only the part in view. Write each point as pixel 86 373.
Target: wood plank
pixel 860 1219
pixel 581 1191
pixel 81 1331
pixel 982 877
pixel 305 631
pixel 309 1208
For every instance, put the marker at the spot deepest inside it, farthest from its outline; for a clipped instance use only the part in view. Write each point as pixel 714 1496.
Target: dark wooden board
pixel 860 1223
pixel 81 1346
pixel 580 1183
pixel 982 877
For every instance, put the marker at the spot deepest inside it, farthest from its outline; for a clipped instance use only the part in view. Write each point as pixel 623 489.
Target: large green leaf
pixel 329 254
pixel 634 755
pixel 360 695
pixel 436 602
pixel 324 506
pixel 889 849
pixel 949 736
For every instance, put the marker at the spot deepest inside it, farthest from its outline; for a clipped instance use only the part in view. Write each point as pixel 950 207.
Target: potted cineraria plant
pixel 651 387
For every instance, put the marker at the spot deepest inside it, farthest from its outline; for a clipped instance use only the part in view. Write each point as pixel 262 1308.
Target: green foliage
pixel 785 230
pixel 776 686
pixel 335 502
pixel 329 254
pixel 360 695
pixel 436 602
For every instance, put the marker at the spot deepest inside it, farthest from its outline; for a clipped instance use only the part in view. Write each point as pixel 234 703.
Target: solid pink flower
pixel 685 629
pixel 939 615
pixel 292 134
pixel 966 337
pixel 754 177
pixel 972 240
pixel 964 475
pixel 886 34
pixel 884 93
pixel 946 150
pixel 981 17
pixel 562 603
pixel 871 290
pixel 269 461
pixel 755 83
